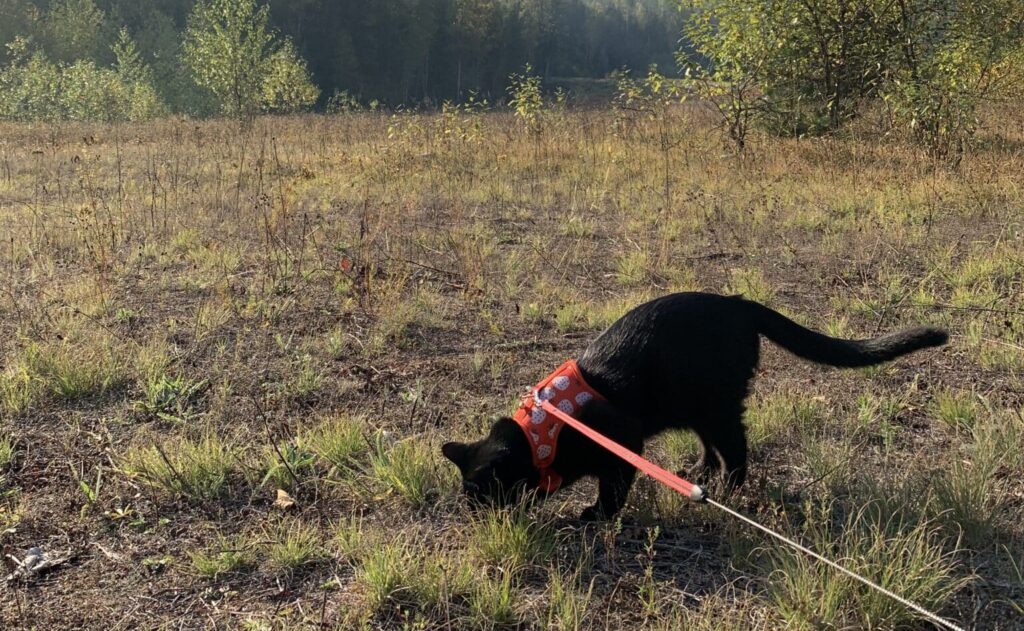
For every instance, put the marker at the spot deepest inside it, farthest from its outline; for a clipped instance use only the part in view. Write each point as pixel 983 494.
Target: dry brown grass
pixel 228 294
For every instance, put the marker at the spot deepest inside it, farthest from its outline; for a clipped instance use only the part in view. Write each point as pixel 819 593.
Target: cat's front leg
pixel 580 456
pixel 613 489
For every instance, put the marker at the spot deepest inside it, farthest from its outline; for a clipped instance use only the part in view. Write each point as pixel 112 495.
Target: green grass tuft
pixel 957 409
pixel 492 603
pixel 340 443
pixel 568 602
pixel 410 469
pixel 633 268
pixel 18 391
pixel 967 494
pixel 226 557
pixel 512 538
pixel 752 284
pixel 782 413
pixel 7 447
pixel 197 470
pixel 294 544
pixel 909 559
pixel 387 572
pixel 71 373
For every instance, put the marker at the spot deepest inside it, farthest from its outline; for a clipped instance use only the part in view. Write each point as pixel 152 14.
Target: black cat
pixel 683 361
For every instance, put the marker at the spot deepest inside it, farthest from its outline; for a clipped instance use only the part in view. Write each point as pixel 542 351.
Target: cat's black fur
pixel 683 361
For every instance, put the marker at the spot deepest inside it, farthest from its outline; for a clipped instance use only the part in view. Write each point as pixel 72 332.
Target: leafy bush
pixel 963 55
pixel 287 86
pixel 33 87
pixel 805 67
pixel 234 53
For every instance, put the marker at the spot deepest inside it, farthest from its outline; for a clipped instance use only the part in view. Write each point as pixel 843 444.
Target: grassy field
pixel 230 355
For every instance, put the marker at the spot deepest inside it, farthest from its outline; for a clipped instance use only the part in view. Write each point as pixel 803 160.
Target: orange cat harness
pixel 566 390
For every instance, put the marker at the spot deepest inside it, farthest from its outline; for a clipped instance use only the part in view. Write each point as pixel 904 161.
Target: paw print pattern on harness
pixel 566 389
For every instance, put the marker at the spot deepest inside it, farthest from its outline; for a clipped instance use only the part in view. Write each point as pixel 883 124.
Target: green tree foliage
pixel 806 66
pixel 77 30
pixel 137 78
pixel 160 43
pixel 287 86
pixel 29 85
pixel 130 65
pixel 396 52
pixel 18 19
pixel 733 63
pixel 957 56
pixel 233 52
pixel 810 60
pixel 33 87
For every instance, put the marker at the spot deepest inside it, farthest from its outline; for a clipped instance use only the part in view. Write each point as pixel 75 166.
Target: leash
pixel 698 494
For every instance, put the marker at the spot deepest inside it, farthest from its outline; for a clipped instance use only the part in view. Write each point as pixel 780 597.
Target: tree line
pixel 395 52
pixel 791 67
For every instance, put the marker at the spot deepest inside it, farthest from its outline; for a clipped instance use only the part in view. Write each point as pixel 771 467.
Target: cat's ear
pixel 504 425
pixel 456 452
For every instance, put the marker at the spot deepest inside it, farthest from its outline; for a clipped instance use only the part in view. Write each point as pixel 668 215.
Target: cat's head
pixel 496 469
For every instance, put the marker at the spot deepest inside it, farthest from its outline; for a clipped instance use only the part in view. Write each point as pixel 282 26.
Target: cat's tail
pixel 823 349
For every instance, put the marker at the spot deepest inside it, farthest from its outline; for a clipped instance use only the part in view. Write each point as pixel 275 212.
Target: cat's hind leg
pixel 729 438
pixel 724 439
pixel 709 464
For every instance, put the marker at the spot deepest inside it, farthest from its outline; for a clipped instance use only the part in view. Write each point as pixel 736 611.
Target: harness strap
pixel 566 390
pixel 667 478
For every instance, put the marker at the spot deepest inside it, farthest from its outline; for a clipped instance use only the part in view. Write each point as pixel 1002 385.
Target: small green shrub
pixel 526 99
pixel 170 398
pixel 288 460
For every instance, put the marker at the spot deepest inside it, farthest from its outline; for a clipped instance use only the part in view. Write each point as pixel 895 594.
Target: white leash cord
pixel 942 622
